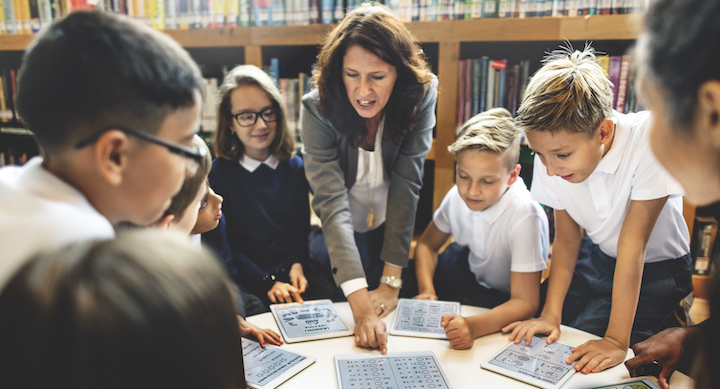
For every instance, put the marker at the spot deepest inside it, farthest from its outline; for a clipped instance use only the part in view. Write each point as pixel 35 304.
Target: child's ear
pixel 164 223
pixel 514 174
pixel 607 131
pixel 707 117
pixel 110 152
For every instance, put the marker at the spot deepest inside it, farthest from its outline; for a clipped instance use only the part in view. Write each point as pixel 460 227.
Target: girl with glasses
pixel 266 208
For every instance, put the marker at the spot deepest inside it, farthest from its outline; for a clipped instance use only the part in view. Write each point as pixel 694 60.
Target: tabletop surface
pixel 462 367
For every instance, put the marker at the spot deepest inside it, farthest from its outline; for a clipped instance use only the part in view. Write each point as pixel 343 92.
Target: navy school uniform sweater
pixel 266 218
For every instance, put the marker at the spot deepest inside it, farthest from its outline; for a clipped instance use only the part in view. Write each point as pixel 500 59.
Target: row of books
pixel 625 97
pixel 29 16
pixel 10 156
pixel 485 83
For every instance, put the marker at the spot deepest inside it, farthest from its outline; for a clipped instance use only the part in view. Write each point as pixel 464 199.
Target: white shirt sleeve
pixel 541 188
pixel 529 237
pixel 350 286
pixel 651 181
pixel 441 218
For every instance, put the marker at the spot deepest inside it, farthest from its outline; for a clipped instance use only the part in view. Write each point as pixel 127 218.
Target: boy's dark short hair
pixel 94 70
pixel 682 52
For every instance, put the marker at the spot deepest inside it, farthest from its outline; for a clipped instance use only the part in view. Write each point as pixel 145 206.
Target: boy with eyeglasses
pixel 114 106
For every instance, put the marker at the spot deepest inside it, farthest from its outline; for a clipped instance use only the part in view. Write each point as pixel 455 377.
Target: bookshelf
pixel 444 39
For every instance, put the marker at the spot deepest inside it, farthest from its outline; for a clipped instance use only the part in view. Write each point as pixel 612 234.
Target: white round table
pixel 462 367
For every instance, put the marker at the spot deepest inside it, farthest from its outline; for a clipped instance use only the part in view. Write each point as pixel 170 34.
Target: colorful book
pixel 261 12
pixel 622 84
pixel 490 9
pixel 614 75
pixel 469 63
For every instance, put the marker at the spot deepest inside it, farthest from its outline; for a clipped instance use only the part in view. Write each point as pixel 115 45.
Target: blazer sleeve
pixel 322 148
pixel 407 179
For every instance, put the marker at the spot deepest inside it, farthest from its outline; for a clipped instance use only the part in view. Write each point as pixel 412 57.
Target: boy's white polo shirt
pixel 628 171
pixel 509 236
pixel 41 212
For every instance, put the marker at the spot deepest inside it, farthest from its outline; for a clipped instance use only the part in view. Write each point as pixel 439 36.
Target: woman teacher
pixel 366 131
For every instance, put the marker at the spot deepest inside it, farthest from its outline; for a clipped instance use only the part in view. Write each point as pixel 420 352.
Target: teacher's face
pixel 369 81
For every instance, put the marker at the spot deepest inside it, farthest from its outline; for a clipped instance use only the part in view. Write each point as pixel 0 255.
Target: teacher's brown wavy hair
pixel 376 29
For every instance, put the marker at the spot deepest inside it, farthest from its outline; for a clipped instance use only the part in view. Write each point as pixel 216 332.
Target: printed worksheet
pixel 406 370
pixel 538 364
pixel 267 368
pixel 421 318
pixel 309 321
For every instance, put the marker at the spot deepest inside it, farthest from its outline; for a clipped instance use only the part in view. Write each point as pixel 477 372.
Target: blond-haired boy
pixel 594 167
pixel 501 235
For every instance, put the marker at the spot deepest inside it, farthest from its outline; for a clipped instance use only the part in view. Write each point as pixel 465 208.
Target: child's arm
pixel 564 257
pixel 524 301
pixel 598 355
pixel 426 257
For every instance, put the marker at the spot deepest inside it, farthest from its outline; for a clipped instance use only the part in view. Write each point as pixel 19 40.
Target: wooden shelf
pixel 596 27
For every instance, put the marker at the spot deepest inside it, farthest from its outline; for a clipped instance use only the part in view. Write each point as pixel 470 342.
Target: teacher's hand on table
pixel 457 331
pixel 665 348
pixel 384 299
pixel 546 324
pixel 370 331
pixel 262 335
pixel 597 355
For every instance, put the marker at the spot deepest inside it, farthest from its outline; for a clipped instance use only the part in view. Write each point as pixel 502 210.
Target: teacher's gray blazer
pixel 331 168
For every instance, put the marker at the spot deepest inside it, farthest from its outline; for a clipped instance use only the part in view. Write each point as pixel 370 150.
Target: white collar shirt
pixel 251 164
pixel 41 212
pixel 509 236
pixel 628 171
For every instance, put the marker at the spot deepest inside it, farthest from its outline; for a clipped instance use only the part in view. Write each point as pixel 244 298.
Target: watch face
pixel 392 282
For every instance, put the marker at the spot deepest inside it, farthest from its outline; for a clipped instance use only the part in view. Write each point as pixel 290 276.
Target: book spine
pixel 477 65
pixel 33 15
pixel 244 18
pixel 484 65
pixel 461 93
pixel 233 8
pixel 3 25
pixel 10 22
pixel 468 89
pixel 622 84
pixel 614 75
pixel 170 14
pixel 501 87
pixel 13 83
pixel 490 9
pixel 523 79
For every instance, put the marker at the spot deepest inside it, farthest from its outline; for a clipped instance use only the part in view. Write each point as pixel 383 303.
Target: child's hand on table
pixel 262 335
pixel 597 355
pixel 457 331
pixel 545 324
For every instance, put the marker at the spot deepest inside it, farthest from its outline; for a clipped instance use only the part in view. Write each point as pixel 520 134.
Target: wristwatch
pixel 392 281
